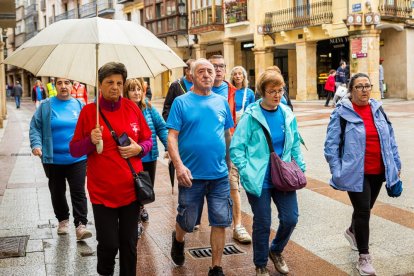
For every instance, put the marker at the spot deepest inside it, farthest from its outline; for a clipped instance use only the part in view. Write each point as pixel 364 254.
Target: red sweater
pixel 109 178
pixel 373 160
pixel 330 84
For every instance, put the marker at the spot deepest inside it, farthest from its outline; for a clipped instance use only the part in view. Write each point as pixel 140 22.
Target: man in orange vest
pixel 79 92
pixel 227 90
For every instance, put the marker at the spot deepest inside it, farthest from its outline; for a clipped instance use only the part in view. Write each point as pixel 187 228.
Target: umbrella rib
pixel 46 59
pixel 149 68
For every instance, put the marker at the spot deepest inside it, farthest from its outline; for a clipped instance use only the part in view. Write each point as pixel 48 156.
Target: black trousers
pixel 116 229
pixel 75 175
pixel 363 203
pixel 329 95
pixel 151 168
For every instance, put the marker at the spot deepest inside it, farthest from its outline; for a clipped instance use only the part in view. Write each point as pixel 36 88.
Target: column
pixel 292 80
pixel 366 41
pixel 263 58
pixel 228 49
pixel 306 71
pixel 200 50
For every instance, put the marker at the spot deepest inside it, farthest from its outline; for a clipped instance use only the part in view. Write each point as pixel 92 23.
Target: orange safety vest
pixel 79 92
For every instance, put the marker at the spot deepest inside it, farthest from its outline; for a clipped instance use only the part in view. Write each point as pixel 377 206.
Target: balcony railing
pixel 202 20
pixel 236 11
pixel 314 14
pixel 401 9
pixel 104 7
pixel 31 10
pixel 167 26
pixel 66 15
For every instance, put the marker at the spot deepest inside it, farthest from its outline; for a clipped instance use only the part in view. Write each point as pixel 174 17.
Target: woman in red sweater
pixel 330 86
pixel 110 182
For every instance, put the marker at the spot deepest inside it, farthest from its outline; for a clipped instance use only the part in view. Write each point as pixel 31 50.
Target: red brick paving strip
pixel 154 247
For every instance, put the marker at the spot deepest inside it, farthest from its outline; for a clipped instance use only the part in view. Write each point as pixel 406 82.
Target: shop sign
pixel 356 7
pixel 359 47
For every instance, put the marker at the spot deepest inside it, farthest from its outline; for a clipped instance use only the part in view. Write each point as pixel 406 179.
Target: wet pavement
pixel 317 246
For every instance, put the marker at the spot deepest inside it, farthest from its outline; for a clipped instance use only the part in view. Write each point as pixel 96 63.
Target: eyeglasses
pixel 273 92
pixel 221 66
pixel 363 87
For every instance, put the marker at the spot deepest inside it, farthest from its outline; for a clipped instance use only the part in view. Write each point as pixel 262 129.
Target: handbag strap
pixel 244 98
pixel 268 139
pixel 115 137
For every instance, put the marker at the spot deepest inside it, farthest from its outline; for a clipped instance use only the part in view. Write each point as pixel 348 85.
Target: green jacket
pixel 249 151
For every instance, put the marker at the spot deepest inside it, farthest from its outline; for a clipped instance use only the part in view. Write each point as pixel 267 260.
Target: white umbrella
pixel 76 48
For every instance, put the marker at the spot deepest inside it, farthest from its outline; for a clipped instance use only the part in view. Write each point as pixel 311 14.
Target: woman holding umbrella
pixel 110 181
pixel 134 91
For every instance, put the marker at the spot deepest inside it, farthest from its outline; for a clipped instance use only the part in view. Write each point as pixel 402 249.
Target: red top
pixel 109 179
pixel 373 160
pixel 330 84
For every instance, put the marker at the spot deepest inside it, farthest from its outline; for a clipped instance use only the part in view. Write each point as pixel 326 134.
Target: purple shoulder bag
pixel 286 176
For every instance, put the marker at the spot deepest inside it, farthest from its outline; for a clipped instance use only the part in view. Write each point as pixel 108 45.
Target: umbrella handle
pixel 99 147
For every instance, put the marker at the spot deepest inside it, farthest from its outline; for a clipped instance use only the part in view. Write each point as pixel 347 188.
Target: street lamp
pixel 181 8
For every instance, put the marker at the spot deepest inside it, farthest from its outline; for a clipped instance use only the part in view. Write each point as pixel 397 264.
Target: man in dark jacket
pixel 178 88
pixel 341 74
pixel 17 93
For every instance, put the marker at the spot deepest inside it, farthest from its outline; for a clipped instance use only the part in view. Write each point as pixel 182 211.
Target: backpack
pixel 343 123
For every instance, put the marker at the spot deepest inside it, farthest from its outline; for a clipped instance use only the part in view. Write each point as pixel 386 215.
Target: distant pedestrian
pixel 381 78
pixel 198 142
pixel 244 95
pixel 51 130
pixel 178 88
pixel 38 93
pixel 250 153
pixel 147 90
pixel 80 92
pixel 330 86
pixel 51 88
pixel 134 91
pixel 362 153
pixel 341 75
pixel 110 181
pixel 17 93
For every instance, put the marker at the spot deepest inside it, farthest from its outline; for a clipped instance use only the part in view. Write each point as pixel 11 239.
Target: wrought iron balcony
pixel 31 10
pixel 105 7
pixel 399 11
pixel 313 14
pixel 168 26
pixel 236 11
pixel 66 15
pixel 202 20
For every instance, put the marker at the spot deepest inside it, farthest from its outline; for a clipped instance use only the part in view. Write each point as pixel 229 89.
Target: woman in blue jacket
pixel 362 153
pixel 250 153
pixel 133 90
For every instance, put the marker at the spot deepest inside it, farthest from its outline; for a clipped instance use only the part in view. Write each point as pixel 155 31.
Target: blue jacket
pixel 249 151
pixel 40 132
pixel 348 171
pixel 158 128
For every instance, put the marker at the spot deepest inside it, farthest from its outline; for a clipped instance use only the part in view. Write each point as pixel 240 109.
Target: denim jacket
pixel 348 171
pixel 250 152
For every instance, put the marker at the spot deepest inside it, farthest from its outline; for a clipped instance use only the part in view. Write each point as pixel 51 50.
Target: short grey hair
pixel 197 62
pixel 245 81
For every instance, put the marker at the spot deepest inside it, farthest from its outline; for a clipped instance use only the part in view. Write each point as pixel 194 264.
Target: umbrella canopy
pixel 69 48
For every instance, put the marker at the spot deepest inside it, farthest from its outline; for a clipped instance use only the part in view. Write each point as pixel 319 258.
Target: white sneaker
pixel 63 227
pixel 82 233
pixel 240 234
pixel 364 265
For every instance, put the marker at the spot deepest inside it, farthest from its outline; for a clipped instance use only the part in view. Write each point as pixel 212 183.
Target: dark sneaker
pixel 351 239
pixel 144 215
pixel 279 262
pixel 364 265
pixel 262 271
pixel 177 251
pixel 216 271
pixel 140 229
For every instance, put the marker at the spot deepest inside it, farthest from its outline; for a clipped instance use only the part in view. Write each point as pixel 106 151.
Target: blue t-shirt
pixel 276 122
pixel 39 95
pixel 222 90
pixel 201 121
pixel 188 84
pixel 239 98
pixel 64 116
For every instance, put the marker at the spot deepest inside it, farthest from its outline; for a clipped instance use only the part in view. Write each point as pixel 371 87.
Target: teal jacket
pixel 249 151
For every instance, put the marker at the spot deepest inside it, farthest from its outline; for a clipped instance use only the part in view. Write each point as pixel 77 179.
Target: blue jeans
pixel 287 207
pixel 17 100
pixel 191 200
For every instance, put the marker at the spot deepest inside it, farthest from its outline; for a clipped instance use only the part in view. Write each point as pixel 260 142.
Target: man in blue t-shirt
pixel 198 141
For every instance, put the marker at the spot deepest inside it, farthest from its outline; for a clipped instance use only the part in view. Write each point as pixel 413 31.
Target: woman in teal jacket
pixel 250 153
pixel 133 90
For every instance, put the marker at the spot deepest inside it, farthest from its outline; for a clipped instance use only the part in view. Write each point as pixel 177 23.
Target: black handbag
pixel 143 186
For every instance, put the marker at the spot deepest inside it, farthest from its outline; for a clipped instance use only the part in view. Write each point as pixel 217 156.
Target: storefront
pixel 329 53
